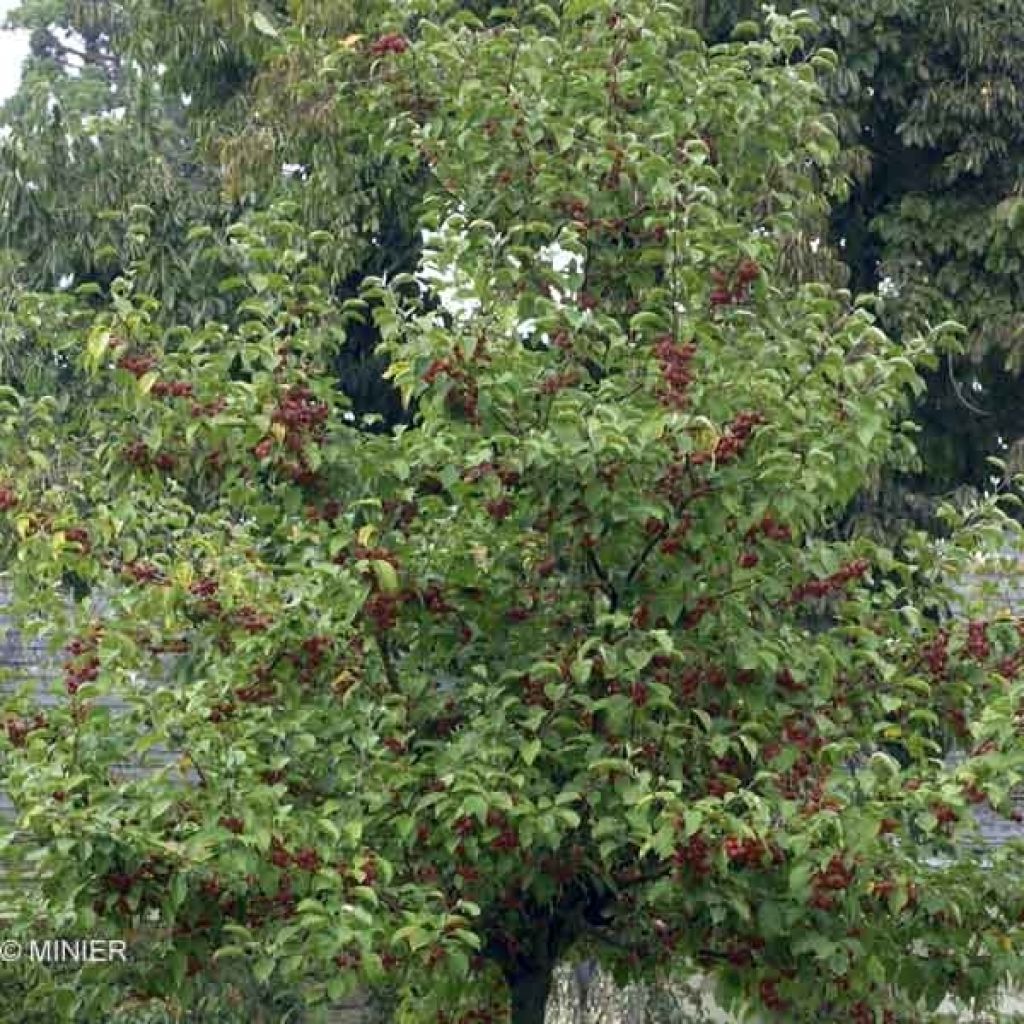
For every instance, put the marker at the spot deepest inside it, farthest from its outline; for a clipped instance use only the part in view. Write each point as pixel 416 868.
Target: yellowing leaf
pixel 182 574
pixel 278 430
pixel 387 578
pixel 349 42
pixel 365 535
pixel 99 342
pixel 343 682
pixel 705 434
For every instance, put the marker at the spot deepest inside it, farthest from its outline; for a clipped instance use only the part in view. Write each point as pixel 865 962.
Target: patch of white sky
pixel 13 51
pixel 457 293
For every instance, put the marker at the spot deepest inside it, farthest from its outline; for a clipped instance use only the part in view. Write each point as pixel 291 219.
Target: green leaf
pixel 529 751
pixel 263 24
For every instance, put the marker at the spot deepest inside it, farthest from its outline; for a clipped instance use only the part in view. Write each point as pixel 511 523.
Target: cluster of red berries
pixel 499 509
pixel 508 476
pixel 639 694
pixel 556 382
pixel 1010 666
pixel 673 541
pixel 688 683
pixel 836 877
pixel 307 859
pixel 733 288
pixel 936 654
pixel 143 572
pixel 742 950
pixel 506 839
pixel 861 1013
pixel 205 586
pixel 302 415
pixel 222 711
pixel 978 645
pixel 390 43
pixel 207 410
pixel 258 692
pixel 830 584
pixel 446 723
pixel 974 794
pixel 769 527
pixel 769 992
pixel 465 825
pixel 945 815
pixel 785 681
pixel 694 855
pixel 137 454
pixel 734 440
pixel 251 619
pixel 800 781
pixel 533 693
pixel 19 729
pixel 749 852
pixel 171 389
pixel 311 656
pixel 83 665
pixel 464 398
pixel 675 483
pixel 262 449
pixel 802 733
pixel 675 361
pixel 577 209
pixel 8 499
pixel 79 536
pixel 434 600
pixel 328 513
pixel 279 855
pixel 442 368
pixel 348 960
pixel 119 881
pixel 692 619
pixel 137 365
pixel 382 611
pixel 518 613
pixel 281 905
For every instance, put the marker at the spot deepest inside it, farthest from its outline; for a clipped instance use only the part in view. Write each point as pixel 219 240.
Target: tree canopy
pixel 565 663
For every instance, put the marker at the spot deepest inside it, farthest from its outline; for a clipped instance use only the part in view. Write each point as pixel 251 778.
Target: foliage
pixel 562 667
pixel 928 96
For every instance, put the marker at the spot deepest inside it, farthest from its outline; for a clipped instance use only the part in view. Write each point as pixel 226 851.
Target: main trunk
pixel 529 995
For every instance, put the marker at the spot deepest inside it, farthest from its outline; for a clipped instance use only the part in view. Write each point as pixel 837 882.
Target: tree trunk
pixel 528 991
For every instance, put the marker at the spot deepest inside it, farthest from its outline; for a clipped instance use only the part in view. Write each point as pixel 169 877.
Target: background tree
pixel 928 96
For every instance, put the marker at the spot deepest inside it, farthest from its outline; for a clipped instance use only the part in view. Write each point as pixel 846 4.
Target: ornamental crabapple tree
pixel 564 668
